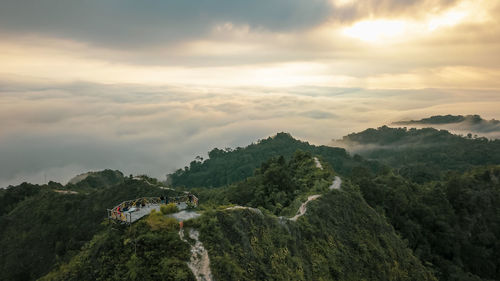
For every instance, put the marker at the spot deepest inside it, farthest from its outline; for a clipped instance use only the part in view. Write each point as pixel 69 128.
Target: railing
pixel 119 216
pixel 121 212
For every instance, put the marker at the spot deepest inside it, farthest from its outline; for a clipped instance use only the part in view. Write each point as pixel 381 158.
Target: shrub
pixel 156 220
pixel 169 208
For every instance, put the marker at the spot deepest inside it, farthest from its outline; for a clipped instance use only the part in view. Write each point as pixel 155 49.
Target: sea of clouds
pixel 53 132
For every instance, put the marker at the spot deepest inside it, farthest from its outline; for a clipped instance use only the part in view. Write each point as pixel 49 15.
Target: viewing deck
pixel 132 210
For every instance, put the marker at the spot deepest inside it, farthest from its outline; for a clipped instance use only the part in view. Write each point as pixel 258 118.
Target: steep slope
pixel 130 253
pixel 50 227
pixel 453 226
pixel 339 238
pixel 279 186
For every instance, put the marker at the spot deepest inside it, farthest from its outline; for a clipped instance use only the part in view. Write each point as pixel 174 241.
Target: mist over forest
pixel 74 128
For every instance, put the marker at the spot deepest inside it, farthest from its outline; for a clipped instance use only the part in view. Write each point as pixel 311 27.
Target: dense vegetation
pixel 139 252
pixel 341 238
pixel 448 119
pixel 338 239
pixel 279 186
pixel 450 217
pixel 229 166
pixel 452 226
pixel 432 208
pixel 47 228
pixel 11 196
pixel 470 123
pixel 424 154
pixel 101 179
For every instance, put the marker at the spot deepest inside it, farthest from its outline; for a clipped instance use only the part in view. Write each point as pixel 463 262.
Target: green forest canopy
pixel 433 188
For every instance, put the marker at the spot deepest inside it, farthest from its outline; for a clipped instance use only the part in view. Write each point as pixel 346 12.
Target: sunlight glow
pixel 449 19
pixel 340 3
pixel 384 30
pixel 376 31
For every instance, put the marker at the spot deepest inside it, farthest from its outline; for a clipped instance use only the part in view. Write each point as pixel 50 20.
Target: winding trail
pixel 184 215
pixel 238 207
pixel 337 182
pixel 318 164
pixel 200 262
pixel 303 208
pixel 65 191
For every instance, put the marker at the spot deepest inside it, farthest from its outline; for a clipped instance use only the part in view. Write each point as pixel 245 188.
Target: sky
pixel 145 86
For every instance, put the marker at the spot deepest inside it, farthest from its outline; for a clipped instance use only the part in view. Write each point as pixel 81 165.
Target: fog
pixel 55 132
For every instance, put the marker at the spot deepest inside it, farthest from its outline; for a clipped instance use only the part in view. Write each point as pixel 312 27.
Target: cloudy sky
pixel 145 86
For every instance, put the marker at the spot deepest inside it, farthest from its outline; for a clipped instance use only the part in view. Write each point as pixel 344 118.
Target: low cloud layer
pixel 55 132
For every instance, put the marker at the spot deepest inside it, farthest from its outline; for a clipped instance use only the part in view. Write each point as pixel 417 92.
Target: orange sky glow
pixel 406 49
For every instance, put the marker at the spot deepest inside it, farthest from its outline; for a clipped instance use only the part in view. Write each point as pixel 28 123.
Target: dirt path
pixel 303 208
pixel 318 164
pixel 237 207
pixel 184 215
pixel 337 182
pixel 200 262
pixel 65 191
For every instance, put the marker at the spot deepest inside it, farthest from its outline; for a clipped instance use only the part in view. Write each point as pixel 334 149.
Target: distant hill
pixel 226 166
pixel 444 119
pixel 422 154
pixel 100 179
pixel 471 123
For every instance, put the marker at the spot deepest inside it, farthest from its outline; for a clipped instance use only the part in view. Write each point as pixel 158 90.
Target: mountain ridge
pixel 468 124
pixel 388 220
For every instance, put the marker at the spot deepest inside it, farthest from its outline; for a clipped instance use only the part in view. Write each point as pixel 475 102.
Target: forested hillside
pixel 92 180
pixel 442 196
pixel 426 206
pixel 451 225
pixel 136 253
pixel 232 165
pixel 340 237
pixel 423 154
pixel 469 122
pixel 47 227
pixel 279 186
pixel 11 196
